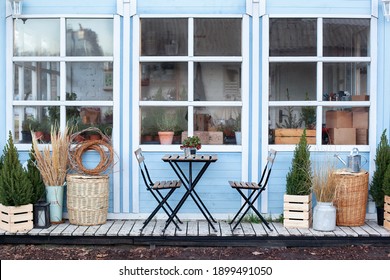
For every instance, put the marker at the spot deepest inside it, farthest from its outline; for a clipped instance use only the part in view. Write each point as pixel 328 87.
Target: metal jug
pixel 354 161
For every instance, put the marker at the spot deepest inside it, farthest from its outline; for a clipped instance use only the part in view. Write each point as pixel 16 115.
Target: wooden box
pixel 16 218
pixel 293 135
pixel 338 119
pixel 206 137
pixel 297 211
pixel 386 214
pixel 361 136
pixel 360 119
pixel 360 97
pixel 342 136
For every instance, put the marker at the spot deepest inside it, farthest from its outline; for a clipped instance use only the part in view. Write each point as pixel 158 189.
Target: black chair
pixel 155 189
pixel 255 190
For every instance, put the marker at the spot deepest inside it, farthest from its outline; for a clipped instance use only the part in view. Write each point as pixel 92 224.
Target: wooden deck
pixel 197 233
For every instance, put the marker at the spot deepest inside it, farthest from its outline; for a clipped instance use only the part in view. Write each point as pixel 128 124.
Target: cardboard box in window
pixel 338 119
pixel 206 137
pixel 361 136
pixel 360 97
pixel 342 136
pixel 360 120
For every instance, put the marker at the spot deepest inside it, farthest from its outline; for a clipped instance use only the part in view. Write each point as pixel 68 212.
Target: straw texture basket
pixel 87 199
pixel 351 197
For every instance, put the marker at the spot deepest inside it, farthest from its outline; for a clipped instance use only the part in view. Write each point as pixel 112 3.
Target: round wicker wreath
pixel 102 146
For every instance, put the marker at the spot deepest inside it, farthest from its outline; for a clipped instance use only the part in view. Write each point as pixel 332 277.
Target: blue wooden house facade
pixel 209 68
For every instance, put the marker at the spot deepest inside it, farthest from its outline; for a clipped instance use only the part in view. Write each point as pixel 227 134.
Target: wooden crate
pixel 386 222
pixel 14 219
pixel 297 211
pixel 293 135
pixel 206 137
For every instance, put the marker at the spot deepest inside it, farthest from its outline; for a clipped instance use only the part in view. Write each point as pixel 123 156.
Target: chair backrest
pixel 144 169
pixel 267 169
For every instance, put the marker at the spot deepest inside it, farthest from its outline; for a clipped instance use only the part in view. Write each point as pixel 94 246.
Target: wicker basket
pixel 87 199
pixel 351 198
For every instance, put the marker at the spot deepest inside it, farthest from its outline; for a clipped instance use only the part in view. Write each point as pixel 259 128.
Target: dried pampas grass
pixel 53 164
pixel 324 185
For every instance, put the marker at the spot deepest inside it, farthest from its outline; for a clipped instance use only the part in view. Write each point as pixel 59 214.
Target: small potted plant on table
pixel 190 145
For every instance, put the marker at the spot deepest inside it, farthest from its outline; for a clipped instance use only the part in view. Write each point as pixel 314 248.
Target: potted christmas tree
pixel 15 191
pixel 297 200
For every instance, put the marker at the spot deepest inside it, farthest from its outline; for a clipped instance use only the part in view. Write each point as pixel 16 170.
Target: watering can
pixel 354 161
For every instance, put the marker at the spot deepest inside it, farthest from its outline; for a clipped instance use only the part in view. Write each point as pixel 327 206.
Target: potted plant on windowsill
pixel 297 200
pixel 190 145
pixel 166 126
pixel 324 189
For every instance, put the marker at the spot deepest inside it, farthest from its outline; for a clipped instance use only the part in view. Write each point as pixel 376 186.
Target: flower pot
pixel 189 152
pixel 166 137
pixel 55 196
pixel 324 216
pixel 380 215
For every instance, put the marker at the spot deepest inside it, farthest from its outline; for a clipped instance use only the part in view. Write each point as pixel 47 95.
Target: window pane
pixel 286 124
pixel 345 126
pixel 37 37
pixel 165 81
pixel 36 80
pixel 80 118
pixel 217 37
pixel 217 81
pixel 155 119
pixel 292 81
pixel 33 118
pixel 89 37
pixel 89 81
pixel 218 125
pixel 164 37
pixel 293 37
pixel 346 37
pixel 346 81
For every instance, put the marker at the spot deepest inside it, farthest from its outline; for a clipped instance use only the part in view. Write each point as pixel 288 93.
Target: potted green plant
pixel 166 126
pixel 297 200
pixel 190 145
pixel 16 191
pixel 382 160
pixel 386 191
pixel 324 189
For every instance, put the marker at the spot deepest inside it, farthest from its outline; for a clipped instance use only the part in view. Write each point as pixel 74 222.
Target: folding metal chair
pixel 155 189
pixel 255 190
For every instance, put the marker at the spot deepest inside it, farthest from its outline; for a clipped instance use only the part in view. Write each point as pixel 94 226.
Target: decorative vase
pixel 380 214
pixel 55 196
pixel 166 137
pixel 324 216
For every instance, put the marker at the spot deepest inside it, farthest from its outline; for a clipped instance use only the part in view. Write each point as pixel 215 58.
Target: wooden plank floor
pixel 199 228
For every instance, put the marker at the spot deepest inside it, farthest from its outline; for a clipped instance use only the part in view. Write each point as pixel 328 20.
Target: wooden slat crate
pixel 386 222
pixel 293 135
pixel 14 219
pixel 297 211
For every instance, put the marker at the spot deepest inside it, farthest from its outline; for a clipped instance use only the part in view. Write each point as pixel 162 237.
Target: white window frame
pixel 371 60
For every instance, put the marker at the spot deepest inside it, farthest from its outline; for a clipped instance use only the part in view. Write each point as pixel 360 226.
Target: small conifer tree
pixel 299 178
pixel 15 187
pixel 386 181
pixel 34 175
pixel 382 160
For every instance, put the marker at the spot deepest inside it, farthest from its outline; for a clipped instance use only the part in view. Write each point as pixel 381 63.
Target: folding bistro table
pixel 189 183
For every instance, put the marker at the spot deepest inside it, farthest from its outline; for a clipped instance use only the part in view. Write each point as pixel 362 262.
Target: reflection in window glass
pixel 344 81
pixel 37 37
pixel 293 37
pixel 345 125
pixel 218 125
pixel 164 37
pixel 217 37
pixel 292 81
pixel 346 37
pixel 89 37
pixel 38 119
pixel 36 80
pixel 89 81
pixel 167 119
pixel 217 81
pixel 166 81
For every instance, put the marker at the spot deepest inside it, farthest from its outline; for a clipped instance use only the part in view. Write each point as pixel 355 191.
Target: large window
pixel 62 76
pixel 319 79
pixel 190 79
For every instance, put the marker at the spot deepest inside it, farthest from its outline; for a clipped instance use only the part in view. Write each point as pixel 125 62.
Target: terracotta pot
pixel 39 135
pixel 166 137
pixel 94 137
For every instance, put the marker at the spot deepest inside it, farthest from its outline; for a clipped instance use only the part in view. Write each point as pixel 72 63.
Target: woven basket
pixel 351 198
pixel 87 199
